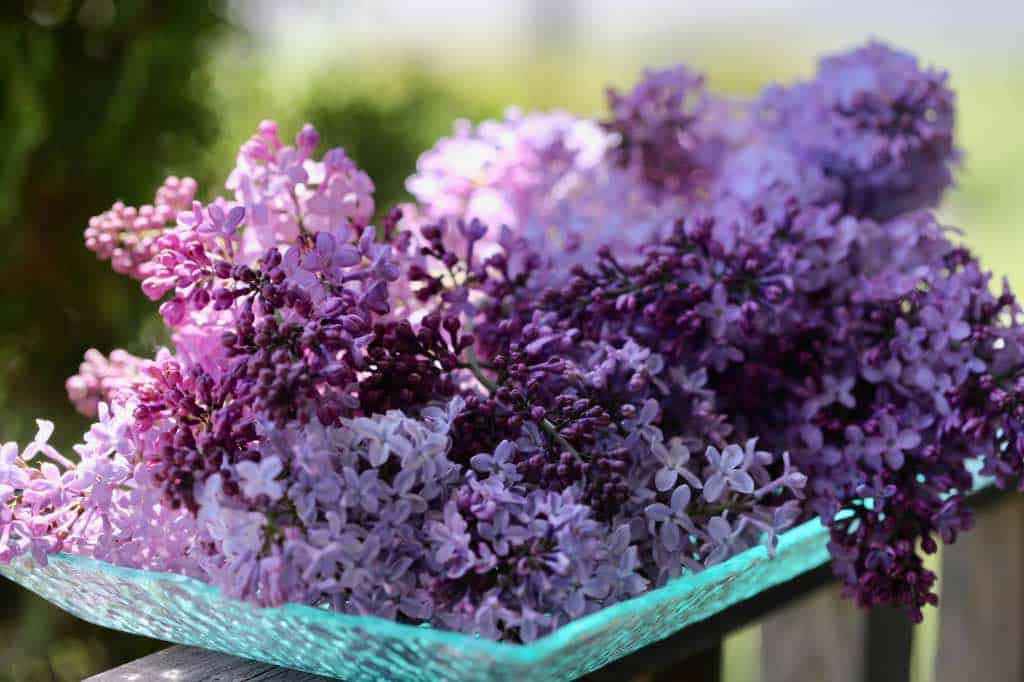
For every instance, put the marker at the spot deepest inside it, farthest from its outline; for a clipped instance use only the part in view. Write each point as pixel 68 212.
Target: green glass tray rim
pixel 809 538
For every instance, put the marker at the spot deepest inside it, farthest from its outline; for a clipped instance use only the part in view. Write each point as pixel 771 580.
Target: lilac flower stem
pixel 473 363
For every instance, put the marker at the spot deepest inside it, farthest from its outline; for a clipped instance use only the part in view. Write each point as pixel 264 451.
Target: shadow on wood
pixel 981 614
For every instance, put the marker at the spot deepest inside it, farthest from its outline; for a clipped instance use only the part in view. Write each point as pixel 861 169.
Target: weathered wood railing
pixel 808 634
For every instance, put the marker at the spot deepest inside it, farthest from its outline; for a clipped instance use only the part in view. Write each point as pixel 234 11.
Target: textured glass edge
pixel 808 536
pixel 710 591
pixel 799 550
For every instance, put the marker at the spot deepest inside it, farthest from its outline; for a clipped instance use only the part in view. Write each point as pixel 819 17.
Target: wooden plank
pixel 705 666
pixel 828 638
pixel 819 637
pixel 981 610
pixel 191 664
pixel 887 649
pixel 707 634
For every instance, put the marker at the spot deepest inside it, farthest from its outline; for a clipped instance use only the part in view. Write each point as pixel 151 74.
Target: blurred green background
pixel 101 99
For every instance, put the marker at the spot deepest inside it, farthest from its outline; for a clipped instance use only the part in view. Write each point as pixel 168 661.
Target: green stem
pixel 473 362
pixel 552 431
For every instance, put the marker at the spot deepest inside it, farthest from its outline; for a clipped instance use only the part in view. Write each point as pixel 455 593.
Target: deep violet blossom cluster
pixel 591 355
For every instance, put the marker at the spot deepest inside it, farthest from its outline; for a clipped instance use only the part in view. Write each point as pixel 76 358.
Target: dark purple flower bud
pixel 375 299
pixel 222 269
pixel 307 140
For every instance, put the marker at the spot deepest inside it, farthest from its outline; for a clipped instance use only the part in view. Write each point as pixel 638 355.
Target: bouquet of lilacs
pixel 592 355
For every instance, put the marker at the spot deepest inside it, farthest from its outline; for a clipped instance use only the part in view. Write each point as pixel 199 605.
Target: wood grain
pixel 818 637
pixel 191 664
pixel 981 610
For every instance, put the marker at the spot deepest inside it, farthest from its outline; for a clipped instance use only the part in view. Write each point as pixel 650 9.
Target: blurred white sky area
pixel 505 29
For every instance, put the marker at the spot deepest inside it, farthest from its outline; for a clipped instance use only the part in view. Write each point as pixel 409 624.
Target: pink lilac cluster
pixel 100 377
pixel 592 356
pixel 127 236
pixel 285 191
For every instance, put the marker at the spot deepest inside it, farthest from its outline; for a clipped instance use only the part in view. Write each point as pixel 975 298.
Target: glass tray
pixel 364 648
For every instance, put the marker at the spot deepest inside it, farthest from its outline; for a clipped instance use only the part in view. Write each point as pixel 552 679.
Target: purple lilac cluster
pixel 669 131
pixel 592 355
pixel 554 179
pixel 877 125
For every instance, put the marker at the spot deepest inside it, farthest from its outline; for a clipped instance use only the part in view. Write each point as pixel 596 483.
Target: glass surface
pixel 358 648
pixel 365 648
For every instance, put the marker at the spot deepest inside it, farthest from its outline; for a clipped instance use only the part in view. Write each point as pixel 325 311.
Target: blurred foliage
pixel 99 100
pixel 102 101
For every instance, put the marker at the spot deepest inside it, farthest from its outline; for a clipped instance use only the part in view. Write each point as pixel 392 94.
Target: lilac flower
pixel 722 539
pixel 891 444
pixel 966 363
pixel 783 518
pixel 878 122
pixel 453 542
pixel 946 325
pixel 674 459
pixel 667 129
pixel 837 390
pixel 480 414
pixel 100 378
pixel 281 186
pixel 889 370
pixel 384 438
pixel 938 387
pixel 225 224
pixel 621 577
pixel 40 443
pixel 672 518
pixel 11 475
pixel 101 475
pixel 500 463
pixel 260 478
pixel 112 433
pixel 240 533
pixel 128 236
pixel 727 472
pixel 361 491
pixel 545 176
pixel 755 459
pixel 329 254
pixel 718 312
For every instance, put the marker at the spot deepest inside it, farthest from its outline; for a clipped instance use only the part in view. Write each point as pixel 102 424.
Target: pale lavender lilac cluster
pixel 591 356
